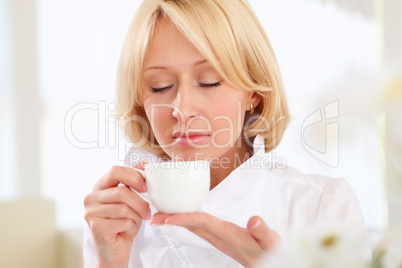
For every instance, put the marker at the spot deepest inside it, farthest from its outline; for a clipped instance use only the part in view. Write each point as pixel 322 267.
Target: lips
pixel 190 139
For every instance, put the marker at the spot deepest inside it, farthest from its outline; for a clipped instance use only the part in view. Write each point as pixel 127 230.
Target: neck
pixel 223 166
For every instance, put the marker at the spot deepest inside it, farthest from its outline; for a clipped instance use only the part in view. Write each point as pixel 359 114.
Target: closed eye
pixel 160 90
pixel 209 85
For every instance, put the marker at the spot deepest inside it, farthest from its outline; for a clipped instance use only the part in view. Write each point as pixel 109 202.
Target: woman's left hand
pixel 245 245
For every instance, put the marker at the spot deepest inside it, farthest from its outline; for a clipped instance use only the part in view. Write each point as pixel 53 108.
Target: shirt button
pixel 215 253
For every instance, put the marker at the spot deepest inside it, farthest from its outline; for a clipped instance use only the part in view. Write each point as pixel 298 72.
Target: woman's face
pixel 193 113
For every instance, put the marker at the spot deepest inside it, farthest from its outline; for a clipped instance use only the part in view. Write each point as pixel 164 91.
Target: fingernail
pixel 143 163
pixel 256 224
pixel 149 216
pixel 167 221
pixel 144 188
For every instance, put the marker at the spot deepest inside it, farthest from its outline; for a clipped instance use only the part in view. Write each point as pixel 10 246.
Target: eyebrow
pixel 198 63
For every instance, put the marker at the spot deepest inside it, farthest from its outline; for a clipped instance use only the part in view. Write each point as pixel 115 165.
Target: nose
pixel 184 104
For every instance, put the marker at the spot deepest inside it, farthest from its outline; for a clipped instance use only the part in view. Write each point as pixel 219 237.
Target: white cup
pixel 176 187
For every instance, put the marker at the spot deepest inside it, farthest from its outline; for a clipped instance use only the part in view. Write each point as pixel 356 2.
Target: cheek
pixel 228 120
pixel 232 100
pixel 160 119
pixel 232 109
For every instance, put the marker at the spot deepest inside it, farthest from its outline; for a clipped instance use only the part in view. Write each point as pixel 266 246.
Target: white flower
pixel 390 250
pixel 325 246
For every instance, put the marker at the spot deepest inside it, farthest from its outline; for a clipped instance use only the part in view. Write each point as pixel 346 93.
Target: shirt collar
pixel 259 145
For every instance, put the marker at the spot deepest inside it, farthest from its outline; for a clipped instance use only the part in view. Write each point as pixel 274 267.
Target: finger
pixel 194 222
pixel 266 237
pixel 126 196
pixel 159 218
pixel 199 220
pixel 113 211
pixel 124 175
pixel 141 165
pixel 107 229
pixel 208 226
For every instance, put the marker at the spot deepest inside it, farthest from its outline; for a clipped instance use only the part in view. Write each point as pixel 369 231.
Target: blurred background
pixel 341 62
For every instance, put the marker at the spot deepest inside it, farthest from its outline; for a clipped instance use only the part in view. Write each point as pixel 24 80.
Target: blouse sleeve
pixel 339 204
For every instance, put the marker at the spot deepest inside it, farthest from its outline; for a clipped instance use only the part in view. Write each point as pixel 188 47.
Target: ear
pixel 253 98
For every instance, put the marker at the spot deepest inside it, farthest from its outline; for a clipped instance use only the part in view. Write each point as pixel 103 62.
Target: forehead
pixel 165 27
pixel 168 44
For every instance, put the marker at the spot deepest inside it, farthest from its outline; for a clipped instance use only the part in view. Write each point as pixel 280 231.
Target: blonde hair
pixel 229 35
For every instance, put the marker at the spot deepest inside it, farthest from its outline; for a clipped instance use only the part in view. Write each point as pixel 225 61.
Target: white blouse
pixel 288 200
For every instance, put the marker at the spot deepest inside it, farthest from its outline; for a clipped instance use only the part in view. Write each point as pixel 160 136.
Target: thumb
pixel 265 237
pixel 141 164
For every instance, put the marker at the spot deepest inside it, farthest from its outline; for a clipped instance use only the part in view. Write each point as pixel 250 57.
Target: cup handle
pixel 145 198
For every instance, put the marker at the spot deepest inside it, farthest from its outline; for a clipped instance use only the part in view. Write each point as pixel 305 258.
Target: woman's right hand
pixel 114 214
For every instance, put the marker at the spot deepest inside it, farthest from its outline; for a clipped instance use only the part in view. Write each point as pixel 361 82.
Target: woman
pixel 199 80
